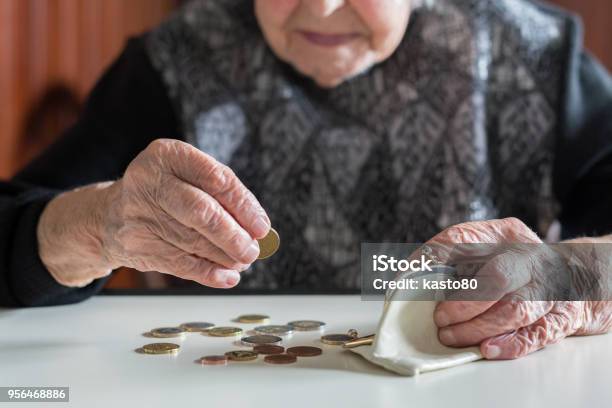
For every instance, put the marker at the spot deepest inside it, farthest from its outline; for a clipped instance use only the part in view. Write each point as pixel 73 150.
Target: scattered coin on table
pixel 160 348
pixel 224 332
pixel 336 339
pixel 167 332
pixel 274 329
pixel 260 339
pixel 304 351
pixel 266 349
pixel 265 341
pixel 253 318
pixel 280 359
pixel 196 326
pixel 306 325
pixel 214 360
pixel 269 244
pixel 241 355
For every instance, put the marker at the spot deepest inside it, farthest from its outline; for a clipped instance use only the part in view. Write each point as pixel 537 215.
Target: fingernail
pixel 252 252
pixel 441 319
pixel 491 352
pixel 260 227
pixel 232 278
pixel 447 337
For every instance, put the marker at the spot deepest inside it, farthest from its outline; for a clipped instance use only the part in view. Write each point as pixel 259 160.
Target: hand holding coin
pixel 176 210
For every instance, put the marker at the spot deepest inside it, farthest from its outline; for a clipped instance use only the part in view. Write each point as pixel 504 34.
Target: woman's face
pixel 332 40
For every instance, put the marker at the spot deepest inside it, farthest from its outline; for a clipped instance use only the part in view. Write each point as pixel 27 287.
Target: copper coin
pixel 304 351
pixel 214 360
pixel 266 349
pixel 336 339
pixel 280 359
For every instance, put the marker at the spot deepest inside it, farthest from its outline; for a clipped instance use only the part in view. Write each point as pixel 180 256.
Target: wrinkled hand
pixel 179 211
pixel 176 210
pixel 506 325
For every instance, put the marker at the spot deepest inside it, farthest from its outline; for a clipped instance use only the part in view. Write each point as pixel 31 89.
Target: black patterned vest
pixel 458 124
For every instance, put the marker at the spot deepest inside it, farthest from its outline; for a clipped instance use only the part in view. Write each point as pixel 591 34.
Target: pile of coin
pixel 265 341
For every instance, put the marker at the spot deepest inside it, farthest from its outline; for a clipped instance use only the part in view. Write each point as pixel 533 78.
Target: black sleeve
pixel 128 108
pixel 583 173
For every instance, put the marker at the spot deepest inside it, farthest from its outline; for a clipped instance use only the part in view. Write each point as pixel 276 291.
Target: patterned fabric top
pixel 458 124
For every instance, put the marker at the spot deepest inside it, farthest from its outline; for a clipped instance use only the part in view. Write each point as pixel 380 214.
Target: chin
pixel 328 82
pixel 330 78
pixel 333 78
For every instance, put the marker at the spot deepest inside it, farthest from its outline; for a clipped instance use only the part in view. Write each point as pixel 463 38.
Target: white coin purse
pixel 406 339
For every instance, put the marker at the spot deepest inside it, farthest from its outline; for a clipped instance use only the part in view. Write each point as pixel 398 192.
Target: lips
pixel 328 40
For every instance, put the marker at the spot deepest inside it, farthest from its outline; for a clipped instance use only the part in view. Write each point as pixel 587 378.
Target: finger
pixel 219 181
pixel 200 246
pixel 191 241
pixel 505 273
pixel 503 317
pixel 196 209
pixel 456 311
pixel 183 265
pixel 476 241
pixel 165 258
pixel 549 329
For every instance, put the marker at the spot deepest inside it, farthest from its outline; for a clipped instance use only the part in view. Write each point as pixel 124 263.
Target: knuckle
pixel 243 201
pixel 219 176
pixel 512 222
pixel 203 272
pixel 159 147
pixel 519 311
pixel 236 242
pixel 453 234
pixel 499 276
pixel 211 216
pixel 199 245
pixel 185 265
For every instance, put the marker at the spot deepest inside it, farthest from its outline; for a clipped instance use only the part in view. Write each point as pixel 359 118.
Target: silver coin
pixel 306 325
pixel 274 329
pixel 260 339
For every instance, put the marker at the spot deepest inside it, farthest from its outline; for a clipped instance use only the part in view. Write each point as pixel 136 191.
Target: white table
pixel 89 347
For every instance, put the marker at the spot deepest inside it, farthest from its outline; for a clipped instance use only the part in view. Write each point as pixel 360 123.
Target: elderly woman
pixel 339 122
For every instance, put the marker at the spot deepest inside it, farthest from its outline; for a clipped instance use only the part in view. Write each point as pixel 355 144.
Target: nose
pixel 324 8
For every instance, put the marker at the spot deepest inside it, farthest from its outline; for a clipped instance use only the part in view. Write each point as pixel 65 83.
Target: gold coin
pixel 167 332
pixel 224 331
pixel 336 339
pixel 306 325
pixel 253 318
pixel 196 326
pixel 241 355
pixel 160 348
pixel 269 244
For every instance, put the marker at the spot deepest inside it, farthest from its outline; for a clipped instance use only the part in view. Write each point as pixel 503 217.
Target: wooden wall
pixel 597 18
pixel 63 42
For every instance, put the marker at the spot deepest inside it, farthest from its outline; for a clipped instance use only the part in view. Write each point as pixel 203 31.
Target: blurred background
pixel 53 51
